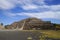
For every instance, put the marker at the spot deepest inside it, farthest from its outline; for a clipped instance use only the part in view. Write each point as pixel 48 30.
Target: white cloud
pixel 8 14
pixel 5 4
pixel 30 7
pixel 55 7
pixel 50 8
pixel 25 4
pixel 49 14
pixel 53 10
pixel 29 4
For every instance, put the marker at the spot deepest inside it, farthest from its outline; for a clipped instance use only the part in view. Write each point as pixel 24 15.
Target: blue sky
pixel 15 10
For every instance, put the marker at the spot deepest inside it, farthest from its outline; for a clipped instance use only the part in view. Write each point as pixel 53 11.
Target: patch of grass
pixel 51 33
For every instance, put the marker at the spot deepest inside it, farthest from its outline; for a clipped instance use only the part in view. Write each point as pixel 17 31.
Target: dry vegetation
pixel 48 33
pixel 51 33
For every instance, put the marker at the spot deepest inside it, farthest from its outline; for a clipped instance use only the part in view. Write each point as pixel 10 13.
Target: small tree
pixel 1 24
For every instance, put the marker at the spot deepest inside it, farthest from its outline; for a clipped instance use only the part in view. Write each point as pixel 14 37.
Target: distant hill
pixel 31 24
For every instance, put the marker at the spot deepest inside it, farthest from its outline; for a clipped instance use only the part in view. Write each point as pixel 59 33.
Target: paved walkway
pixel 18 35
pixel 21 35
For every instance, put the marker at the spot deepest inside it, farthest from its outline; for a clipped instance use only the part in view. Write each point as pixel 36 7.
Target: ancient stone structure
pixel 37 24
pixel 31 24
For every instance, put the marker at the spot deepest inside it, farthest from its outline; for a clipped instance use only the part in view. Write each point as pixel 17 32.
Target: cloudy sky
pixel 15 10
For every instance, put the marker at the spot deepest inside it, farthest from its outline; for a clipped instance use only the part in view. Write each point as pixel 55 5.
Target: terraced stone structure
pixel 31 24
